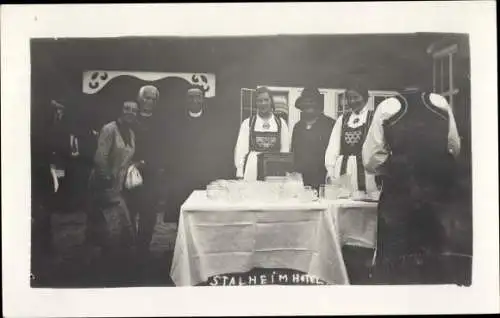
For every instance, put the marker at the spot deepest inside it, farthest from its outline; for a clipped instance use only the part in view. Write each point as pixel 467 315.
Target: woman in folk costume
pixel 109 220
pixel 343 155
pixel 263 132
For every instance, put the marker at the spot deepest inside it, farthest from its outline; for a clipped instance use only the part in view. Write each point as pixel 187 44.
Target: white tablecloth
pixel 216 238
pixel 356 222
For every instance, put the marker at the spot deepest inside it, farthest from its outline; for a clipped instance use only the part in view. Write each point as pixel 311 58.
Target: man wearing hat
pixel 343 155
pixel 310 137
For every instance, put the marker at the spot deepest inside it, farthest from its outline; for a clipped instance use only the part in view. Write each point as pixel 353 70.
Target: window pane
pixel 281 105
pixel 341 102
pixel 246 103
pixel 439 75
pixel 434 74
pixel 446 74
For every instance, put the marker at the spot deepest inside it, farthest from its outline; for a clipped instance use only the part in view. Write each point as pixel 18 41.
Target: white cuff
pixel 239 172
pixel 330 171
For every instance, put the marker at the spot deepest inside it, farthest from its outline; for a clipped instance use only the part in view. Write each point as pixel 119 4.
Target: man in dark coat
pixel 193 152
pixel 142 200
pixel 44 186
pixel 310 138
pixel 59 140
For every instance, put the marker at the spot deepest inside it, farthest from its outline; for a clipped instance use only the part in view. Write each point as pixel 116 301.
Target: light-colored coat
pixel 112 158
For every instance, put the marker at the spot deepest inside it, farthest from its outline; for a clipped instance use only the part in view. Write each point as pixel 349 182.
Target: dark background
pixel 376 61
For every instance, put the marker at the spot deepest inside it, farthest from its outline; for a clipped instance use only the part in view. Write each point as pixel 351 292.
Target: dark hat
pixel 309 94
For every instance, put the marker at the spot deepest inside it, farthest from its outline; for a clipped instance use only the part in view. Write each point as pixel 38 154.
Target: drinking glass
pixel 234 193
pixel 307 194
pixel 216 192
pixel 322 194
pixel 314 194
pixel 296 177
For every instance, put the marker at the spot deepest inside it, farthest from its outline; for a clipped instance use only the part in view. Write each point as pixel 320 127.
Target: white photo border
pixel 22 22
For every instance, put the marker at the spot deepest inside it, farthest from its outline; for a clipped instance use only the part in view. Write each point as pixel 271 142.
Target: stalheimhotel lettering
pixel 264 279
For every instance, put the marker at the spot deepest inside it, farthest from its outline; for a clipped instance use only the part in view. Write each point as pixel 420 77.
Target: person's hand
pixel 56 184
pixel 54 178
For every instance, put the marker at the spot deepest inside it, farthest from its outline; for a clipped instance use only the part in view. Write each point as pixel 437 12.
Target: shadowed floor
pixel 70 266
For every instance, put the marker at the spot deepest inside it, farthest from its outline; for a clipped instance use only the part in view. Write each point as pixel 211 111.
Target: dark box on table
pixel 274 164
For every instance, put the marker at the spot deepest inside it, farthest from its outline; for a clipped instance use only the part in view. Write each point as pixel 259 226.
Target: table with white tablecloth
pixel 356 222
pixel 219 237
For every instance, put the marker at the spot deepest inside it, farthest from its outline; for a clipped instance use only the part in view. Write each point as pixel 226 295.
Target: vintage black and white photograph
pixel 251 160
pixel 184 161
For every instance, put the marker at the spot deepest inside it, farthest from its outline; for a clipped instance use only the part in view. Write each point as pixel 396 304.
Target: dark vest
pixel 419 166
pixel 265 141
pixel 417 178
pixel 351 144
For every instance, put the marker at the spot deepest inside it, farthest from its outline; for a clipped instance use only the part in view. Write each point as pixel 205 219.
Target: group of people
pixel 323 149
pixel 406 147
pixel 119 216
pixel 125 216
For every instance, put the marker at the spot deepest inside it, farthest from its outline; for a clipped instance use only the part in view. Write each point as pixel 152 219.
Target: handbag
pixel 133 179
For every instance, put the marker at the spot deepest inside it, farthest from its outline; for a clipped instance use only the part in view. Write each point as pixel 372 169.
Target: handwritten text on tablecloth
pixel 269 278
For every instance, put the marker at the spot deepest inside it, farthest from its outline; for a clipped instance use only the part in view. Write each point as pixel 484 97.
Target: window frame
pixel 444 55
pixel 242 93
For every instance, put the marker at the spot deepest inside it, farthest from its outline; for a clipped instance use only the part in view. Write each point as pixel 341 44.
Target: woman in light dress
pixel 109 225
